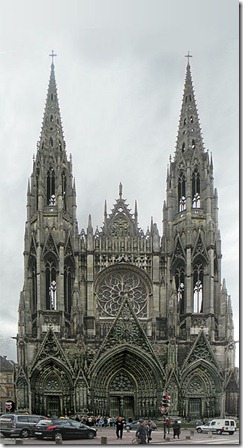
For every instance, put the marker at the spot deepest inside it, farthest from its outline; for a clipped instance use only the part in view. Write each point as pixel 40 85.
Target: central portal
pixel 122 405
pixel 53 405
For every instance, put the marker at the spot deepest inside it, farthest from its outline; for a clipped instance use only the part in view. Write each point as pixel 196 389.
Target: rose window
pixel 117 286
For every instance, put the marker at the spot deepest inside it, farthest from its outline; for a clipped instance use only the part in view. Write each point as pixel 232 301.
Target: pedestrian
pixel 142 432
pixel 167 425
pixel 176 429
pixel 151 426
pixel 119 427
pixel 101 422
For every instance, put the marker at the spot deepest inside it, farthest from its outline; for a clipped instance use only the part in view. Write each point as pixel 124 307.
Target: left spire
pixel 52 138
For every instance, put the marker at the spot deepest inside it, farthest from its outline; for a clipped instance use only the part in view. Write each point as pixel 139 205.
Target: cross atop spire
pixel 120 190
pixel 52 56
pixel 188 55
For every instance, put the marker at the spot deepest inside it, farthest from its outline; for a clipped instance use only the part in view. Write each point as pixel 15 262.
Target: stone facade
pixel 109 319
pixel 7 403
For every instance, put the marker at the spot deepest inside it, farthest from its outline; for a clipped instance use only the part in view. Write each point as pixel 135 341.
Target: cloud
pixel 120 73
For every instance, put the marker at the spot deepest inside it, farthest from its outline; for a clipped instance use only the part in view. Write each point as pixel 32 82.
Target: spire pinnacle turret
pixel 189 134
pixel 52 138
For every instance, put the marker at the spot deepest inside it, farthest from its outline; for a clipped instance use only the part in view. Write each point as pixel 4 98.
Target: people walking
pixel 167 425
pixel 150 427
pixel 176 429
pixel 119 427
pixel 142 432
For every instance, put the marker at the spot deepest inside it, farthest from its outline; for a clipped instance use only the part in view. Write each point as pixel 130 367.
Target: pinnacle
pixel 189 133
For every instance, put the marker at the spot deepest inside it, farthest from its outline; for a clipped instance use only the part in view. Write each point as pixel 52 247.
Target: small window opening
pixel 51 285
pixel 52 200
pixel 198 289
pixel 181 193
pixel 51 187
pixel 196 201
pixel 197 306
pixel 182 204
pixel 196 189
pixel 52 292
pixel 180 288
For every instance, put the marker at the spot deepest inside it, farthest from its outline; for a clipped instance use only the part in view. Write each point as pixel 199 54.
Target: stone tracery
pixel 117 285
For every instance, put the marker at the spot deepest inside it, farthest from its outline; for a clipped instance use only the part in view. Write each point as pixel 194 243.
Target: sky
pixel 120 71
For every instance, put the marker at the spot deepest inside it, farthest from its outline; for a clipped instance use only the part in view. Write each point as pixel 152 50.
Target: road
pixel 108 435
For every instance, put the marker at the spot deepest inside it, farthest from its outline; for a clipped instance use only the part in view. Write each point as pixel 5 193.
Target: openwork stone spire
pixel 189 134
pixel 52 138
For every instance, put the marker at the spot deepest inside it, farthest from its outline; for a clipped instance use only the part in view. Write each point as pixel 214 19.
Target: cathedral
pixel 110 319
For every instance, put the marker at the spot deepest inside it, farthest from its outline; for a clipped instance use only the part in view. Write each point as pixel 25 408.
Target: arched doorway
pixel 201 387
pixel 122 393
pixel 51 389
pixel 126 381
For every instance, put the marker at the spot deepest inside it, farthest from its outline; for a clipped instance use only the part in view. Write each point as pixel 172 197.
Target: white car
pixel 219 426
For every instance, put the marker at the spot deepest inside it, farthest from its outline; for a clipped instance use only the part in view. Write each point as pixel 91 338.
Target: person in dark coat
pixel 119 427
pixel 142 432
pixel 176 429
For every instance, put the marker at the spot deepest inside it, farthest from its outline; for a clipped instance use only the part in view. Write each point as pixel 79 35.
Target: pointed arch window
pixel 51 284
pixel 68 286
pixel 51 198
pixel 196 189
pixel 181 192
pixel 198 288
pixel 180 288
pixel 64 188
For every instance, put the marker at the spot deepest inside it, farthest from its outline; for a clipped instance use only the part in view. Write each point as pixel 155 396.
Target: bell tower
pixel 51 233
pixel 191 233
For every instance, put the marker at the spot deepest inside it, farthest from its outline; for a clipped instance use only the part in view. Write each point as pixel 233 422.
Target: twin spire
pixel 52 138
pixel 189 136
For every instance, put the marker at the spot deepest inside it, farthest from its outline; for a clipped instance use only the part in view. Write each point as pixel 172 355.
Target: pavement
pixel 107 436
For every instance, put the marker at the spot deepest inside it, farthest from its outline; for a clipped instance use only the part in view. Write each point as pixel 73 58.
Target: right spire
pixel 189 133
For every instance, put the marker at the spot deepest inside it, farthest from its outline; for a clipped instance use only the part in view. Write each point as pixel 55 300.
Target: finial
pixel 52 56
pixel 105 210
pixel 188 55
pixel 136 210
pixel 120 190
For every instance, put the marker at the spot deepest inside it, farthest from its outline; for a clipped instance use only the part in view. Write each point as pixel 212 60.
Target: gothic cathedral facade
pixel 109 319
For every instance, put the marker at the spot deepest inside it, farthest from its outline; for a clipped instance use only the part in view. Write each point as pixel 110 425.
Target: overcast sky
pixel 120 71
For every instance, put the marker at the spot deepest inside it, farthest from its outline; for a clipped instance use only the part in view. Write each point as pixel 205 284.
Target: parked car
pixel 135 424
pixel 219 426
pixel 18 425
pixel 56 428
pixel 132 425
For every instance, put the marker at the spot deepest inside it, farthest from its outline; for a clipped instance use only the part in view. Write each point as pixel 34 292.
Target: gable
pixel 201 350
pixel 126 330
